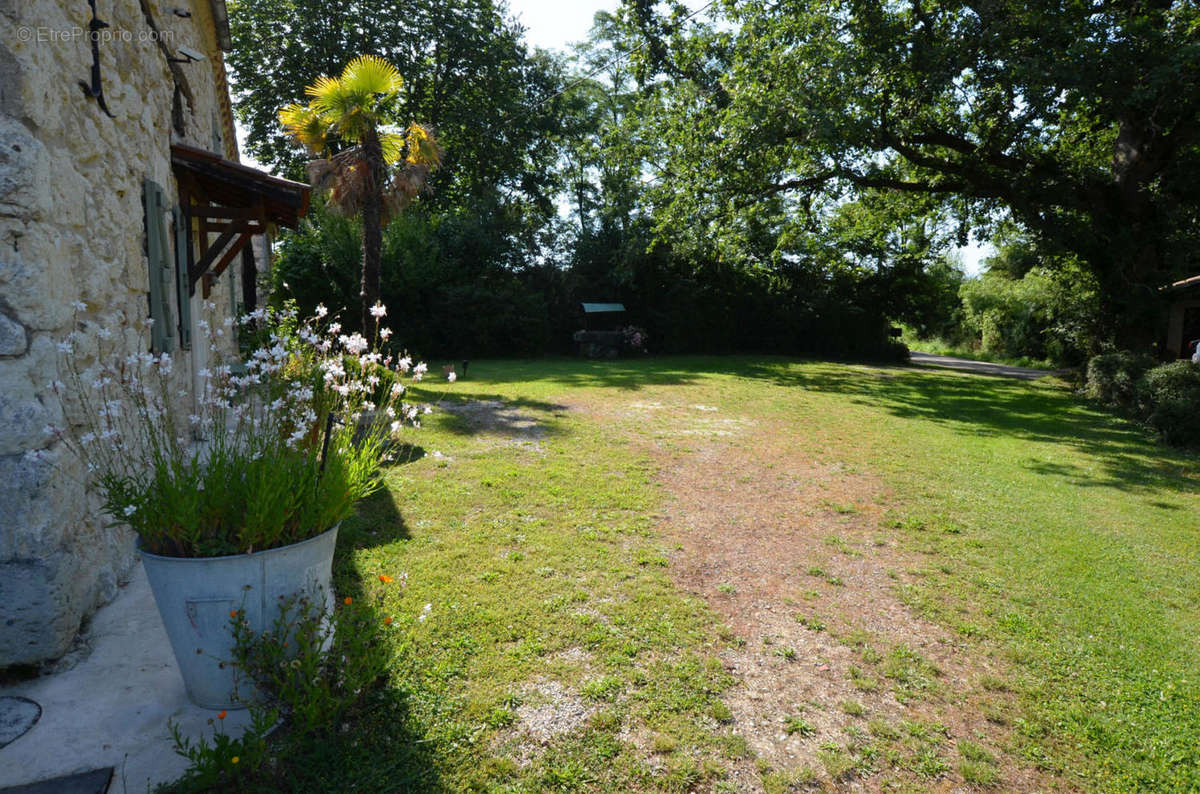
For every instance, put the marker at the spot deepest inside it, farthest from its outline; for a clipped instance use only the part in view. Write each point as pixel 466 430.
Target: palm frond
pixel 335 100
pixel 322 88
pixel 371 75
pixel 392 144
pixel 306 124
pixel 423 148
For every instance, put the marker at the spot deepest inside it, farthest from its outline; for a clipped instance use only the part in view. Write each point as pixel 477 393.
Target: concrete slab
pixel 112 708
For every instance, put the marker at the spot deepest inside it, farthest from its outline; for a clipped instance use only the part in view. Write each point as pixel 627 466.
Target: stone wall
pixel 71 230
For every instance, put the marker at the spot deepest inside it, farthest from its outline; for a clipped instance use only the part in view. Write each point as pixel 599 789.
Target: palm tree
pixel 350 121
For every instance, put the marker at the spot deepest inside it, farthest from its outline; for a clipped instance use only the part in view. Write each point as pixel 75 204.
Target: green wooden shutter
pixel 162 276
pixel 183 287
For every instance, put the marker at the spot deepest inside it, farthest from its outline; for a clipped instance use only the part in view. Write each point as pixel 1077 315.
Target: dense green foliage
pixel 1166 397
pixel 1077 119
pixel 1112 379
pixel 659 166
pixel 484 265
pixel 1169 398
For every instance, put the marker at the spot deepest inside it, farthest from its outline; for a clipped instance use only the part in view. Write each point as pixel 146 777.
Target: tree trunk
pixel 1133 269
pixel 372 232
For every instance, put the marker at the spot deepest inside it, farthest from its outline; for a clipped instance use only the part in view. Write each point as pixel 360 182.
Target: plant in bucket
pixel 236 486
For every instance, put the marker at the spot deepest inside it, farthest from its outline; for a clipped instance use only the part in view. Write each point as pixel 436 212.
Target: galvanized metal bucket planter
pixel 196 595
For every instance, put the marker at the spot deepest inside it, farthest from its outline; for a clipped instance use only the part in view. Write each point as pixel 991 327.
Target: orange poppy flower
pixel 387 621
pixel 349 600
pixel 384 578
pixel 221 716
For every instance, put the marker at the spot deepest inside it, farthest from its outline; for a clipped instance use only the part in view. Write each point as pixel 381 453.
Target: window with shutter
pixel 160 270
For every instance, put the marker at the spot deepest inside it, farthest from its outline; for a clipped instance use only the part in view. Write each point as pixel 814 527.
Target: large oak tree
pixel 1079 118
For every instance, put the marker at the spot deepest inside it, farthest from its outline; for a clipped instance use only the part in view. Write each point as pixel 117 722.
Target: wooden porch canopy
pixel 233 201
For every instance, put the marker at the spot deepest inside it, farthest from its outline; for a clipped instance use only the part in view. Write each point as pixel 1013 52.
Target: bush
pixel 1168 399
pixel 1112 379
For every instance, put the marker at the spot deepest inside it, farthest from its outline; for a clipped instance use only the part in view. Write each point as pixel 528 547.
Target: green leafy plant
pixel 304 676
pixel 272 451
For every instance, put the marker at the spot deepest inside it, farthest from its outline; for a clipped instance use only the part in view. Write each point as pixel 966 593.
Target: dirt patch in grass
pixel 498 418
pixel 841 683
pixel 550 709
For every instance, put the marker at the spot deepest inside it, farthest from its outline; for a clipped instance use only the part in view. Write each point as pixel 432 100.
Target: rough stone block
pixel 26 404
pixel 13 339
pixel 41 606
pixel 26 521
pixel 18 159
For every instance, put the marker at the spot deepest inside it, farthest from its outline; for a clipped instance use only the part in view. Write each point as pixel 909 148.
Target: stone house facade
pixel 120 195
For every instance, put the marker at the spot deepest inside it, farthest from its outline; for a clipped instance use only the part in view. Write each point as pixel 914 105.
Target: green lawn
pixel 559 655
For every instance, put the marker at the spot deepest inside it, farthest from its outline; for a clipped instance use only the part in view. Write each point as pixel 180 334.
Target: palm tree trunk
pixel 372 232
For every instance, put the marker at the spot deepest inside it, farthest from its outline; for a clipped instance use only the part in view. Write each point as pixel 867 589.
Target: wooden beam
pixel 226 213
pixel 211 276
pixel 212 251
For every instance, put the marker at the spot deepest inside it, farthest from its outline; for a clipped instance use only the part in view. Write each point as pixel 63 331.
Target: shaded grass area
pixel 1056 536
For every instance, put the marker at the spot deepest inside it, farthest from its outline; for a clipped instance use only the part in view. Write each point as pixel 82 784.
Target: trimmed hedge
pixel 1112 379
pixel 1165 397
pixel 1169 401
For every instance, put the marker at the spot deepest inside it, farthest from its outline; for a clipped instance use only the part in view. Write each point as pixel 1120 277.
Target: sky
pixel 553 24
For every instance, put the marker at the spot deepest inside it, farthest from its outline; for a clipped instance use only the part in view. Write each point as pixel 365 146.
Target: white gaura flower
pixel 130 510
pixel 453 376
pixel 378 310
pixel 79 306
pixel 397 389
pixel 321 310
pixel 385 333
pixel 396 426
pixel 335 327
pixel 354 343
